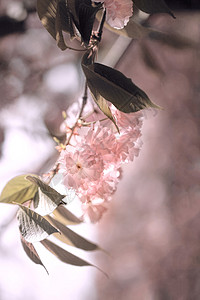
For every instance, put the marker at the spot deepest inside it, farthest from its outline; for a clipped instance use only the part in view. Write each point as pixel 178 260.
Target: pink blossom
pixel 127 121
pixel 93 212
pixel 118 12
pixel 92 163
pixel 128 141
pixel 80 166
pixel 102 140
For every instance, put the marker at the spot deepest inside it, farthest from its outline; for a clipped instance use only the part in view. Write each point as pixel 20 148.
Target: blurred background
pixel 152 228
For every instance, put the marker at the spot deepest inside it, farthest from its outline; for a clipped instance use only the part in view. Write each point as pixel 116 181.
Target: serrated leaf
pixel 115 87
pixel 33 227
pixel 18 190
pixel 70 237
pixel 65 216
pixel 66 256
pixel 153 6
pixel 49 198
pixel 31 252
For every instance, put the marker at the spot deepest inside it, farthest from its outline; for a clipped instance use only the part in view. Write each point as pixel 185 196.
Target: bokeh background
pixel 152 228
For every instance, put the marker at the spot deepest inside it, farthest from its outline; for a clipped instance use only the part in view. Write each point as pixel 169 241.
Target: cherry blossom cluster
pixel 118 12
pixel 91 162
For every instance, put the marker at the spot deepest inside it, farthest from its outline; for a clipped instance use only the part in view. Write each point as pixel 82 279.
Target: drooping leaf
pixel 115 87
pixel 33 227
pixel 69 16
pixel 18 190
pixel 64 255
pixel 55 17
pixel 70 237
pixel 31 252
pixel 65 216
pixel 153 6
pixel 102 104
pixel 49 198
pixel 59 21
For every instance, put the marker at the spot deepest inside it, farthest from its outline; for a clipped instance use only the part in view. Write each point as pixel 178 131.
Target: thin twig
pixel 85 96
pixel 67 142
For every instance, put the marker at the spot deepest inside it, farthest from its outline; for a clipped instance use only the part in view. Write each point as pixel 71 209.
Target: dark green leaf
pixel 153 6
pixel 115 87
pixel 72 238
pixel 31 252
pixel 33 226
pixel 65 216
pixel 102 104
pixel 18 190
pixel 55 17
pixel 86 15
pixel 49 198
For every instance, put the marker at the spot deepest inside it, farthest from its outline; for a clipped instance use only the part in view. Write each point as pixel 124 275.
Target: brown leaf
pixel 49 198
pixel 64 255
pixel 65 216
pixel 31 252
pixel 115 87
pixel 72 238
pixel 102 104
pixel 32 226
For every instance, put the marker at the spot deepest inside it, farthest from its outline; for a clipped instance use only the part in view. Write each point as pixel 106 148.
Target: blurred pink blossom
pixel 118 12
pixel 93 212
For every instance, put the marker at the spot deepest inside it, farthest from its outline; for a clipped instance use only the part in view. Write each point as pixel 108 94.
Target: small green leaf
pixel 72 238
pixel 115 87
pixel 49 198
pixel 31 252
pixel 65 216
pixel 18 190
pixel 33 227
pixel 153 6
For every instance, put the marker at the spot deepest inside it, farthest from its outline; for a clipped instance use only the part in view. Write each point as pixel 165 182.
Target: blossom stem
pixel 79 116
pixel 94 122
pixel 101 24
